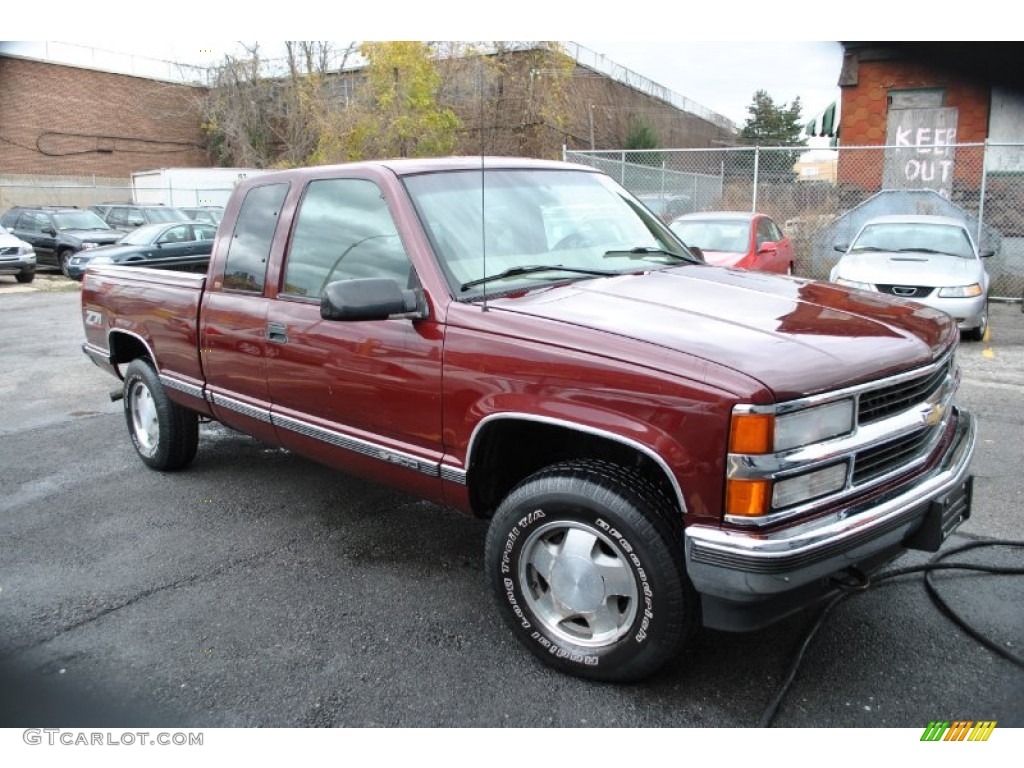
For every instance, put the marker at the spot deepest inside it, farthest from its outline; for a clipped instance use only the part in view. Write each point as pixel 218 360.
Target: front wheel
pixel 585 561
pixel 25 277
pixel 164 434
pixel 64 261
pixel 978 334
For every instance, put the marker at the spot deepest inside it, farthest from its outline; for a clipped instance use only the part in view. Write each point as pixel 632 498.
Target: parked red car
pixel 742 240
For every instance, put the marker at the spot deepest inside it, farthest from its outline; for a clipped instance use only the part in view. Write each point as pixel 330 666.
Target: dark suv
pixel 128 216
pixel 58 233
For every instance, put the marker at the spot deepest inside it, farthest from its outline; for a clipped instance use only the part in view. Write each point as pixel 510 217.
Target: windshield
pixel 712 235
pixel 535 218
pixel 144 235
pixel 912 236
pixel 79 220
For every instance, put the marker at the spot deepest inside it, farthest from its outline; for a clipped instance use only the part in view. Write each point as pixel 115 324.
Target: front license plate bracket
pixel 944 515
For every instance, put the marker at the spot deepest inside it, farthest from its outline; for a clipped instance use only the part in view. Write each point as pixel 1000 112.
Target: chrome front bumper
pixel 747 566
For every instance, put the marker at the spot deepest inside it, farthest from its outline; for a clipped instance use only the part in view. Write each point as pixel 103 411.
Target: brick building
pixel 71 121
pixel 917 105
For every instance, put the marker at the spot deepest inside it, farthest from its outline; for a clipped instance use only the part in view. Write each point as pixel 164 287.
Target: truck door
pixel 358 394
pixel 233 343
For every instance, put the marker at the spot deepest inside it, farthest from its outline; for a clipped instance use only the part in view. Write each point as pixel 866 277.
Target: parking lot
pixel 260 589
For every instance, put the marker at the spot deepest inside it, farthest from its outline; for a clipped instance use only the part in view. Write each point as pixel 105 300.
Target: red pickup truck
pixel 659 444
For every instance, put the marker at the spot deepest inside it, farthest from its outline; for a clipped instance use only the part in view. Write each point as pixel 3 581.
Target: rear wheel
pixel 164 434
pixel 585 561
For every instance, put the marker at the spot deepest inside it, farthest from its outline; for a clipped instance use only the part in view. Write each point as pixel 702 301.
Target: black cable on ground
pixel 935 564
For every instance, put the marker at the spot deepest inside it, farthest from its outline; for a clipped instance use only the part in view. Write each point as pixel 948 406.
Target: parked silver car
pixel 17 258
pixel 929 259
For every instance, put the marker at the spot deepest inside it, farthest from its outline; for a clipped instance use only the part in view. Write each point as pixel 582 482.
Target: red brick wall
pixel 60 120
pixel 865 111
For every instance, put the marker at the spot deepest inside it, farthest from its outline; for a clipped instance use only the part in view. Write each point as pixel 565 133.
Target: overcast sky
pixel 723 76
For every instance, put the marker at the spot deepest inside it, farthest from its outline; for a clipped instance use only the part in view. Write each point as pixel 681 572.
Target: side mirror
pixel 842 248
pixel 371 298
pixel 696 251
pixel 51 232
pixel 768 248
pixel 986 254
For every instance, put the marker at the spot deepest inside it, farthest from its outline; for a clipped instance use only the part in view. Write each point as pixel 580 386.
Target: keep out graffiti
pixel 932 163
pixel 923 157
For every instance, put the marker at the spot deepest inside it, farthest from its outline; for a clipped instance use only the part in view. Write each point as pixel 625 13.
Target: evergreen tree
pixel 773 126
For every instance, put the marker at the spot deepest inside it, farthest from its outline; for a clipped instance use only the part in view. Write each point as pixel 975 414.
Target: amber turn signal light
pixel 747 498
pixel 752 433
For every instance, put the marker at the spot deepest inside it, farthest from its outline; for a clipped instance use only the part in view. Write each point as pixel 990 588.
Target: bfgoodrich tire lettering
pixel 585 562
pixel 164 434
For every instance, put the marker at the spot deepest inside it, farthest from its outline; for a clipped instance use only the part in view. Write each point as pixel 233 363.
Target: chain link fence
pixel 821 197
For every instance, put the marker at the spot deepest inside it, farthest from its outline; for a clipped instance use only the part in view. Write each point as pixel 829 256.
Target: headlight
pixel 961 291
pixel 25 250
pixel 87 246
pixel 760 433
pixel 812 425
pixel 767 433
pixel 854 284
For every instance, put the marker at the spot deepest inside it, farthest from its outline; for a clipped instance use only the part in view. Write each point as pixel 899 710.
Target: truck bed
pixel 157 308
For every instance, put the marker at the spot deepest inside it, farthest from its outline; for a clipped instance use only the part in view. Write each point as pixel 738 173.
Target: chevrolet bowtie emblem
pixel 932 413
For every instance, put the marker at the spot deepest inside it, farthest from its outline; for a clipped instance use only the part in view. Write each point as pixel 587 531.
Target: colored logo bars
pixel 959 730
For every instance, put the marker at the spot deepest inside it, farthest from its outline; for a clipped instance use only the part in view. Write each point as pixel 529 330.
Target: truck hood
pixel 931 269
pixel 795 337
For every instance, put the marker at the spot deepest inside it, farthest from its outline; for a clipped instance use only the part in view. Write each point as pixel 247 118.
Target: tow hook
pixel 116 394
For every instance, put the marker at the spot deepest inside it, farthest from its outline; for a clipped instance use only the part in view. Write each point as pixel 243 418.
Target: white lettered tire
pixel 585 562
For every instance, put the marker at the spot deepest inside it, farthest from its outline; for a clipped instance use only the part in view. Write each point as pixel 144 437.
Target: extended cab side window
pixel 246 265
pixel 344 230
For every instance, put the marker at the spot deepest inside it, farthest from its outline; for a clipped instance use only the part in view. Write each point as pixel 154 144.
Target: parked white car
pixel 929 259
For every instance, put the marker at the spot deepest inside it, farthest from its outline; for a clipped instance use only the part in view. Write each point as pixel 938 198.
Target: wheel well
pixel 508 451
pixel 125 348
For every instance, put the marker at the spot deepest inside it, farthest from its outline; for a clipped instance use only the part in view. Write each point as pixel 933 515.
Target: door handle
pixel 277 333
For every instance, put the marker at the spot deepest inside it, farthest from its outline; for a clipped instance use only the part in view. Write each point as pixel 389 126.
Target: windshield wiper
pixel 529 270
pixel 642 251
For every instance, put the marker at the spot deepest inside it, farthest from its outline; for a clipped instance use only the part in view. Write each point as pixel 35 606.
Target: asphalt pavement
pixel 257 588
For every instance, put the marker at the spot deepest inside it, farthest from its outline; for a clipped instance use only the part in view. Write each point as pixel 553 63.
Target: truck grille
pixel 880 403
pixel 889 457
pixel 10 251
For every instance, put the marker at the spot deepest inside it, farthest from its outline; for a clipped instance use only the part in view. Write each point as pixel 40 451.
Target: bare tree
pixel 260 114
